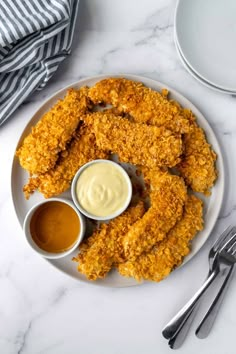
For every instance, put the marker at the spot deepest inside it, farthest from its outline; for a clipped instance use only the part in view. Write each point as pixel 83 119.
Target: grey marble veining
pixel 44 311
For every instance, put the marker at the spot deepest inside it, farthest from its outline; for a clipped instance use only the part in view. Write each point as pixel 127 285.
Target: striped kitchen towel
pixel 35 36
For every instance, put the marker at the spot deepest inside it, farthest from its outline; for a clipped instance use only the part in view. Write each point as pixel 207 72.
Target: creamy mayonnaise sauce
pixel 102 189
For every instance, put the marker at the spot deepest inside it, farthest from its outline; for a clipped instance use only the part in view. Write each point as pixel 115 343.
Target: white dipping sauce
pixel 102 189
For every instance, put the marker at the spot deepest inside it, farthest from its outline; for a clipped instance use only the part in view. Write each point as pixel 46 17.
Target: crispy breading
pixel 168 195
pixel 103 248
pixel 144 128
pixel 136 143
pixel 168 254
pixel 82 149
pixel 39 151
pixel 142 103
pixel 198 162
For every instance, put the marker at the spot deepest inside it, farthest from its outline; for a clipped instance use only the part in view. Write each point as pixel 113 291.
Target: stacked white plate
pixel 205 39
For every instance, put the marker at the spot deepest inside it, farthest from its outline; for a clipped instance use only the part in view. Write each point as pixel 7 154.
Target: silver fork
pixel 177 340
pixel 177 327
pixel 206 324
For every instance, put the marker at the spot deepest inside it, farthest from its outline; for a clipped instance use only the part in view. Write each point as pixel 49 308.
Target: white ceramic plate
pixel 198 78
pixel 206 32
pixel 212 204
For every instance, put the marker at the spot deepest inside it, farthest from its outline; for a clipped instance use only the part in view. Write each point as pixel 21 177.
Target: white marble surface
pixel 44 311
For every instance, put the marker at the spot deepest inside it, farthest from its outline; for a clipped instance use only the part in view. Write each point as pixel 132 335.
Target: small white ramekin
pixel 85 212
pixel 35 247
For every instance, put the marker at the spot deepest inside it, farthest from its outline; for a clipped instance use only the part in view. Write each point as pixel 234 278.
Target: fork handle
pixel 206 324
pixel 177 340
pixel 177 322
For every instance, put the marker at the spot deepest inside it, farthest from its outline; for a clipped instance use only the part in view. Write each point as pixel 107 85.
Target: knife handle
pixel 206 324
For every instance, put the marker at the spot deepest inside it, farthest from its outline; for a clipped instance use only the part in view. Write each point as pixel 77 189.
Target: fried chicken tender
pixel 99 252
pixel 82 149
pixel 135 143
pixel 197 166
pixel 39 151
pixel 168 195
pixel 142 103
pixel 168 254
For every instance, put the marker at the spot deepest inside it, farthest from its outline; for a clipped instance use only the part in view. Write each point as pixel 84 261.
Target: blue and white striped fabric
pixel 35 36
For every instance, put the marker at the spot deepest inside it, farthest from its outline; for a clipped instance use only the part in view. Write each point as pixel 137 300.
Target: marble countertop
pixel 44 311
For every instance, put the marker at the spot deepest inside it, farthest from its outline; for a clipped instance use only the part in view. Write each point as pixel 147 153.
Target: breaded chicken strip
pixel 135 143
pixel 103 248
pixel 197 166
pixel 82 149
pixel 39 151
pixel 142 103
pixel 168 195
pixel 168 254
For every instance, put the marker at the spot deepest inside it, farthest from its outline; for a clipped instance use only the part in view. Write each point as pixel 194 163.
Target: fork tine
pixel 230 242
pixel 232 248
pixel 225 254
pixel 223 238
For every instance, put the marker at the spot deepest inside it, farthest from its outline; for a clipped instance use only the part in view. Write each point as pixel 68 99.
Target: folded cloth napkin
pixel 35 36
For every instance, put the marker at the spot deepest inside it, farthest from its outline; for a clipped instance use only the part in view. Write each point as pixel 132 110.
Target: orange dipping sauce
pixel 55 227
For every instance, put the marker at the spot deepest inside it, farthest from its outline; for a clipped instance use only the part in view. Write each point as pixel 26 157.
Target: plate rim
pixel 195 75
pixel 189 64
pixel 152 82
